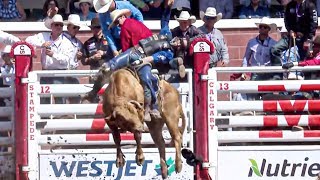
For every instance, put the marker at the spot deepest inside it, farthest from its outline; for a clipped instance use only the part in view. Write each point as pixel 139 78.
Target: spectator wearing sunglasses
pixel 215 36
pixel 73 26
pixel 56 52
pixel 96 49
pixel 301 21
pixel 258 48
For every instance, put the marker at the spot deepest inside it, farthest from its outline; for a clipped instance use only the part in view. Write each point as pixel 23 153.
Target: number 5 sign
pixel 201 47
pixel 22 50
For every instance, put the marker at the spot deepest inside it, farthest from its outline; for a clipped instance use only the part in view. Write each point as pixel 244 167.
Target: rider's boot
pixel 177 63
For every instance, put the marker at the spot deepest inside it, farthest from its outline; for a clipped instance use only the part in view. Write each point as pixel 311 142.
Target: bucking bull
pixel 123 107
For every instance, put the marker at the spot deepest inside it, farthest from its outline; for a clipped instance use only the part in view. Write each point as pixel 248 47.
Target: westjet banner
pixel 102 166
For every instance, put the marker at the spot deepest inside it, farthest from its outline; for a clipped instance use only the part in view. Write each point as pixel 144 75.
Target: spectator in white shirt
pixel 73 25
pixel 56 50
pixel 7 38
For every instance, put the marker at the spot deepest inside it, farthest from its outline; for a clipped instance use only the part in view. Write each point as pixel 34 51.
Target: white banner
pixel 102 166
pixel 268 165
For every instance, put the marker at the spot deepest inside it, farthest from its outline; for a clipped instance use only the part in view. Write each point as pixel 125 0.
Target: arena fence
pixel 7 167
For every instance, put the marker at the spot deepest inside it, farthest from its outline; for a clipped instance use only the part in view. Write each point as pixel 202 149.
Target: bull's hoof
pixel 120 162
pixel 178 166
pixel 139 159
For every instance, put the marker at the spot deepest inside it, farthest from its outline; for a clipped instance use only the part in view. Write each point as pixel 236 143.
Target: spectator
pixel 56 52
pixel 225 7
pixel 179 6
pixel 73 26
pixel 7 67
pixel 254 10
pixel 301 22
pixel 71 9
pixel 184 30
pixel 11 10
pixel 132 31
pixel 279 13
pixel 7 38
pixel 258 49
pixel 104 7
pixel 215 36
pixel 85 14
pixel 95 50
pixel 51 8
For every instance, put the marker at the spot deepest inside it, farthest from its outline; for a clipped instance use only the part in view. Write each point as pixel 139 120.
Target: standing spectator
pixel 104 7
pixel 215 36
pixel 225 7
pixel 258 49
pixel 95 50
pixel 254 10
pixel 73 26
pixel 132 31
pixel 84 6
pixel 301 22
pixel 184 30
pixel 7 38
pixel 56 51
pixel 11 10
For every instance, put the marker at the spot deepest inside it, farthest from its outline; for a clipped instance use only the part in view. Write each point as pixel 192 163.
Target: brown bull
pixel 123 107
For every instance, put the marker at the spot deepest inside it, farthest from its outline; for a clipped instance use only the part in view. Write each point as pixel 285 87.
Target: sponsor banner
pixel 102 166
pixel 256 165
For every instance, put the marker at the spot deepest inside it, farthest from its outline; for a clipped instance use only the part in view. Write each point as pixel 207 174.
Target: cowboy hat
pixel 55 19
pixel 6 50
pixel 94 22
pixel 267 21
pixel 283 29
pixel 73 19
pixel 185 16
pixel 77 4
pixel 114 15
pixel 211 12
pixel 101 6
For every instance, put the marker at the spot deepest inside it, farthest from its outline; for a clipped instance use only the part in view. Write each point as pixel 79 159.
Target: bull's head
pixel 130 116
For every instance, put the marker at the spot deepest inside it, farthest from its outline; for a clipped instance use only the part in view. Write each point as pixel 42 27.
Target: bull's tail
pixel 183 118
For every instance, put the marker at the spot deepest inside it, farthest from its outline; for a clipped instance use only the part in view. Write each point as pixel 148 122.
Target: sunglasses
pixel 58 24
pixel 211 18
pixel 76 27
pixel 263 27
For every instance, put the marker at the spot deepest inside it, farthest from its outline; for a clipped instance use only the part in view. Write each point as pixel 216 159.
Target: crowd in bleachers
pixel 29 10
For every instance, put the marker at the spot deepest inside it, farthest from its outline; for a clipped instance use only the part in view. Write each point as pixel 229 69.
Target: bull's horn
pixel 137 104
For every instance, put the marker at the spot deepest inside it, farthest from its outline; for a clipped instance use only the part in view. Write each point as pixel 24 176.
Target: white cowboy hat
pixel 102 6
pixel 114 15
pixel 55 19
pixel 6 49
pixel 283 29
pixel 73 19
pixel 77 4
pixel 267 21
pixel 211 12
pixel 185 16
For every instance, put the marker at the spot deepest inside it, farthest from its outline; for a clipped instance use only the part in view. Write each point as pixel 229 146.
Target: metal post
pixel 22 52
pixel 201 48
